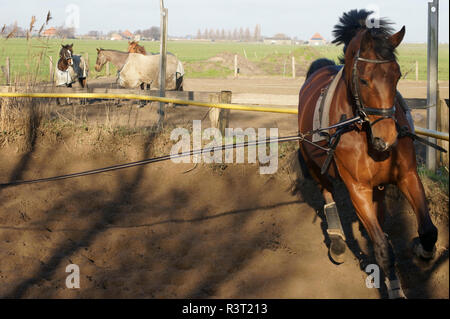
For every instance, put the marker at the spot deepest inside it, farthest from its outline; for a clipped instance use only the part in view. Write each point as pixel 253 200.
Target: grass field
pixel 32 57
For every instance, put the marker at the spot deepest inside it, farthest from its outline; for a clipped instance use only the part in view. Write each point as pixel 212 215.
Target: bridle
pixel 67 55
pixel 363 110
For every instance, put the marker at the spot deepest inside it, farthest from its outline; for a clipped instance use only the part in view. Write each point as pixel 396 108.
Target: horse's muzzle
pixel 380 145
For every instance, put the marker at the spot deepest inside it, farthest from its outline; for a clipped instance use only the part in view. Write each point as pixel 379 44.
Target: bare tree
pixel 257 33
pixel 247 36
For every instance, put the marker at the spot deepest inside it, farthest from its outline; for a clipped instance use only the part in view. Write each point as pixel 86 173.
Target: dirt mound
pixel 223 65
pixel 245 66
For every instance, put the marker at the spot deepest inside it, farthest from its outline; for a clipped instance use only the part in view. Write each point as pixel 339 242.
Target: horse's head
pixel 134 47
pixel 372 74
pixel 101 60
pixel 66 53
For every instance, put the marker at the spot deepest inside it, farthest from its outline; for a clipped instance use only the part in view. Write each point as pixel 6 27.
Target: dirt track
pixel 157 232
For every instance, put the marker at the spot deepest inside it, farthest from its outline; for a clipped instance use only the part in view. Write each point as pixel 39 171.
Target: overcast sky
pixel 293 17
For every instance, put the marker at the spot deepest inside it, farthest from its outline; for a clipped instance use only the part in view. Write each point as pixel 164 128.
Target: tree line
pixel 240 34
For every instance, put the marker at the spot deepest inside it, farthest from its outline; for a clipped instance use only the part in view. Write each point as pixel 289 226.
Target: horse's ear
pixel 397 38
pixel 98 50
pixel 71 45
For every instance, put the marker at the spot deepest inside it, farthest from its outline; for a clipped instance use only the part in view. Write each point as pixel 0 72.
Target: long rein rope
pixel 300 137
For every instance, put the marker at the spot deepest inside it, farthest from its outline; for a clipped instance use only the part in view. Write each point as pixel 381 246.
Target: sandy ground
pixel 156 231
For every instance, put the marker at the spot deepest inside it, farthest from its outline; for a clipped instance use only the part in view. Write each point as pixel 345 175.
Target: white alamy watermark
pixel 72 16
pixel 373 20
pixel 213 153
pixel 73 280
pixel 373 279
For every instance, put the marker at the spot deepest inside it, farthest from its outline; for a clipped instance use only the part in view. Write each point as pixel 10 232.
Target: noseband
pixel 363 110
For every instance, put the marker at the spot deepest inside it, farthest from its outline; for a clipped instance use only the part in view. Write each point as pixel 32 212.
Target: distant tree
pixel 229 35
pixel 94 34
pixel 222 34
pixel 235 34
pixel 241 34
pixel 247 36
pixel 67 33
pixel 199 34
pixel 257 33
pixel 206 34
pixel 152 33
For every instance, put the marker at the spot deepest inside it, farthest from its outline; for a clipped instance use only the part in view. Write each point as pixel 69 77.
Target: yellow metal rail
pixel 419 130
pixel 149 98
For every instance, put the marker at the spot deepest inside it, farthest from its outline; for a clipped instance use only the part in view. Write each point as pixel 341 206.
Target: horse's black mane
pixel 353 21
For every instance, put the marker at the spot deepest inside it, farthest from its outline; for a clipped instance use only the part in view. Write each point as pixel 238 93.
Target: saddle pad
pixel 322 110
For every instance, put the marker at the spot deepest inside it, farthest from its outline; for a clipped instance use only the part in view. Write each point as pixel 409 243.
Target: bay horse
pixel 369 153
pixel 134 47
pixel 71 67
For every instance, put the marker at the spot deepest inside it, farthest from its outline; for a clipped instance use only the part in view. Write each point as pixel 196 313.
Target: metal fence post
pixel 432 75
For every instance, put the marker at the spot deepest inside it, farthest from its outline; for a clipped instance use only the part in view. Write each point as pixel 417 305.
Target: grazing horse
pixel 71 68
pixel 371 152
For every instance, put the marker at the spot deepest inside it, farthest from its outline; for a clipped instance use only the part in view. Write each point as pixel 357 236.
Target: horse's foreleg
pixel 334 226
pixel 379 203
pixel 362 198
pixel 412 188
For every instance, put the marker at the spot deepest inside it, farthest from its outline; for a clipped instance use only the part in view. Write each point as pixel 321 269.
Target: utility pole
pixel 162 60
pixel 432 76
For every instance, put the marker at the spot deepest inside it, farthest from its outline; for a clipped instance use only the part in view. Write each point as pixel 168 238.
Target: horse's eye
pixel 363 82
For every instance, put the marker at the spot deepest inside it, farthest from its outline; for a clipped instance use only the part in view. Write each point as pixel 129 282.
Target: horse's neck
pixel 116 57
pixel 62 65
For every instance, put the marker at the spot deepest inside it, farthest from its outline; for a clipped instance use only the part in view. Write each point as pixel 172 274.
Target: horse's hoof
pixel 337 249
pixel 419 251
pixel 394 289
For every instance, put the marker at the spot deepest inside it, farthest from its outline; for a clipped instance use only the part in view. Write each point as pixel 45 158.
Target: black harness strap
pixel 404 132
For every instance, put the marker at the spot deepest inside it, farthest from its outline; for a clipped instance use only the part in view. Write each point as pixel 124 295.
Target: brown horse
pixel 370 153
pixel 134 47
pixel 71 66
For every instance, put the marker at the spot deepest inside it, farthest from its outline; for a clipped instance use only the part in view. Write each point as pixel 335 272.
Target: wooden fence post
pixel 235 66
pixel 293 67
pixel 417 70
pixel 162 60
pixel 8 71
pixel 220 118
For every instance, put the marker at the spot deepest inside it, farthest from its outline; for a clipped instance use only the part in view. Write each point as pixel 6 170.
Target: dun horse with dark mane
pixel 371 152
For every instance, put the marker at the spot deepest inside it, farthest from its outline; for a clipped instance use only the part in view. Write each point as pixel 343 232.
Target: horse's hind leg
pixel 412 188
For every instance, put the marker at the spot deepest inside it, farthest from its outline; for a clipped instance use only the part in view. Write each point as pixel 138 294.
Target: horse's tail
pixel 318 64
pixel 179 75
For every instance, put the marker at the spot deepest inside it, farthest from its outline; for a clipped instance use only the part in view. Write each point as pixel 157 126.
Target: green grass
pixel 441 176
pixel 31 57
